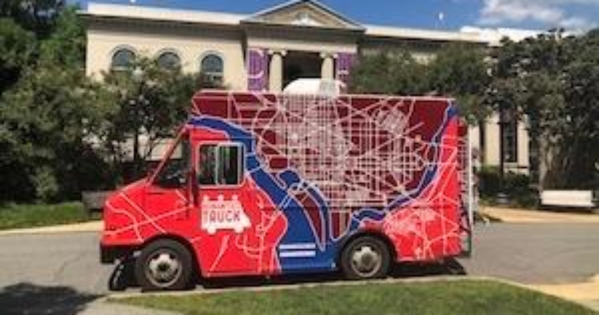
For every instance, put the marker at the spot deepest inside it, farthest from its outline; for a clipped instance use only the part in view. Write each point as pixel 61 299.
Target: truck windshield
pixel 174 172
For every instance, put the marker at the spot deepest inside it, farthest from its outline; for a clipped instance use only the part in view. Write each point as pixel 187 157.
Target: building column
pixel 275 81
pixel 328 66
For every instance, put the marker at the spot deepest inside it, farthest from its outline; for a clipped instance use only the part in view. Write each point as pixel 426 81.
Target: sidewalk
pixel 537 216
pixel 583 293
pixel 105 308
pixel 93 226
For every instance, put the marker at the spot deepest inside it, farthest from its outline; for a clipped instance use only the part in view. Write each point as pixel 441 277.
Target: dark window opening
pixel 212 69
pixel 169 60
pixel 510 138
pixel 220 165
pixel 122 59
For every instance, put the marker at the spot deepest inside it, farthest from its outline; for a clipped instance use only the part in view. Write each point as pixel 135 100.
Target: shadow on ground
pixel 122 278
pixel 30 299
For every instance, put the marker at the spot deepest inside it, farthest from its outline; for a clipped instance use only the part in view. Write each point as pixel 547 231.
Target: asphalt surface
pixel 60 273
pixel 536 253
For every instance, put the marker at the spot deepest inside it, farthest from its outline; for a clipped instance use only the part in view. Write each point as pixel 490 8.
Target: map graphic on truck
pixel 221 214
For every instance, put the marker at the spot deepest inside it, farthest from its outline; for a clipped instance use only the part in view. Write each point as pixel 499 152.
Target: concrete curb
pixel 534 216
pixel 290 287
pixel 93 226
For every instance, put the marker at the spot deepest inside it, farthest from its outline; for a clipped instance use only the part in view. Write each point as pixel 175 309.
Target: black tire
pixel 365 257
pixel 122 277
pixel 164 265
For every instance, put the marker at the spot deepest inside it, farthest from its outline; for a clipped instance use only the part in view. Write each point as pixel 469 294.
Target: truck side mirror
pixel 151 172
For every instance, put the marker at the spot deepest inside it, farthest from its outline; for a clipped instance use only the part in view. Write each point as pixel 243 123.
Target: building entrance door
pixel 301 65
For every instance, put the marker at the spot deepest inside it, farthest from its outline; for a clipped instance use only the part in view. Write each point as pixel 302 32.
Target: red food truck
pixel 274 184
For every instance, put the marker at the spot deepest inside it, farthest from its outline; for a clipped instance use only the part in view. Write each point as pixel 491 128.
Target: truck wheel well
pixel 380 236
pixel 182 241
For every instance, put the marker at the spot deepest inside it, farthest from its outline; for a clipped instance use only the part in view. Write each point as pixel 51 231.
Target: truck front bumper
pixel 110 254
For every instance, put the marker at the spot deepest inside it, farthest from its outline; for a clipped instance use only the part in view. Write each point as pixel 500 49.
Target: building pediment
pixel 304 13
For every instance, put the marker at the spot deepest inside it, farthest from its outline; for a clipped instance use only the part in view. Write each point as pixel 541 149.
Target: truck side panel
pixel 339 166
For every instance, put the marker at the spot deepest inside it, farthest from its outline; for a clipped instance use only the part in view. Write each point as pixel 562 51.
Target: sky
pixel 574 15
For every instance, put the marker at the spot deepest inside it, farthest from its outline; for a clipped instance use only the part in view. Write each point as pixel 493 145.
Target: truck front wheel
pixel 365 257
pixel 164 265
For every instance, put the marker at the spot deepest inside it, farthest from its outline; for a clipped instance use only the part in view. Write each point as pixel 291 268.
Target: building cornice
pixel 251 26
pixel 134 12
pixel 101 12
pixel 375 31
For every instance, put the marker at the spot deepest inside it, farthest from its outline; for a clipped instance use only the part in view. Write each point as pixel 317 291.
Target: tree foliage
pixel 151 102
pixel 457 71
pixel 45 126
pixel 61 132
pixel 551 81
pixel 46 115
pixel 389 72
pixel 38 16
pixel 17 48
pixel 461 71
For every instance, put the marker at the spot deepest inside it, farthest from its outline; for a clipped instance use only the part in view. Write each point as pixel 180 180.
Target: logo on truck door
pixel 221 214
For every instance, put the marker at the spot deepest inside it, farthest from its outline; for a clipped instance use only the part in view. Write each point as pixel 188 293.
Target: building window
pixel 169 60
pixel 122 59
pixel 212 69
pixel 220 165
pixel 510 140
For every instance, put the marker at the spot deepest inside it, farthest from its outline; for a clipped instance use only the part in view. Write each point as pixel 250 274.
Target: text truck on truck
pixel 274 184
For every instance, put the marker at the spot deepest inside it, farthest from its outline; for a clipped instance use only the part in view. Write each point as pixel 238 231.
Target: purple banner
pixel 257 69
pixel 345 62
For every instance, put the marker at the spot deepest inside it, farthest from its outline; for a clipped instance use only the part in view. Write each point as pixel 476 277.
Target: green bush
pixel 516 186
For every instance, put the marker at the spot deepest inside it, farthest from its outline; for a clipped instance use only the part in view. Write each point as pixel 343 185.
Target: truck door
pixel 224 219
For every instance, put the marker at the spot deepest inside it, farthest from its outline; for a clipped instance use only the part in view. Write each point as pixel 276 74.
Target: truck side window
pixel 220 165
pixel 207 165
pixel 230 165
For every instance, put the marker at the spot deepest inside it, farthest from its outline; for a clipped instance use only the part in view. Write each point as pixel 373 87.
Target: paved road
pixel 536 253
pixel 61 273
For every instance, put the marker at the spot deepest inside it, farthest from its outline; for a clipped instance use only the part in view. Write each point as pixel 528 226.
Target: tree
pixel 151 102
pixel 46 119
pixel 461 71
pixel 48 110
pixel 17 48
pixel 389 72
pixel 37 16
pixel 66 45
pixel 581 154
pixel 552 83
pixel 458 70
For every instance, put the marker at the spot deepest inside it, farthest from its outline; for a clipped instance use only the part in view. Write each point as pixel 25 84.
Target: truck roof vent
pixel 324 87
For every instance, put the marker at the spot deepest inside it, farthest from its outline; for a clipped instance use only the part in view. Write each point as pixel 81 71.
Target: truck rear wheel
pixel 164 265
pixel 365 257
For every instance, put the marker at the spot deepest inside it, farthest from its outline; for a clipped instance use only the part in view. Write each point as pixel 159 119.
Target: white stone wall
pixel 492 148
pixel 103 42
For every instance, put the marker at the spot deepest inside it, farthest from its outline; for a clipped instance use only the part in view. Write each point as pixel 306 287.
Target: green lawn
pixel 451 297
pixel 13 216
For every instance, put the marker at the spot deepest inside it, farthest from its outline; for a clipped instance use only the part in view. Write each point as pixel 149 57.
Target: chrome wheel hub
pixel 366 261
pixel 163 269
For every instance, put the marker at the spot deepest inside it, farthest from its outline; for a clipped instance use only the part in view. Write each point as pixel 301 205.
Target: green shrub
pixel 516 186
